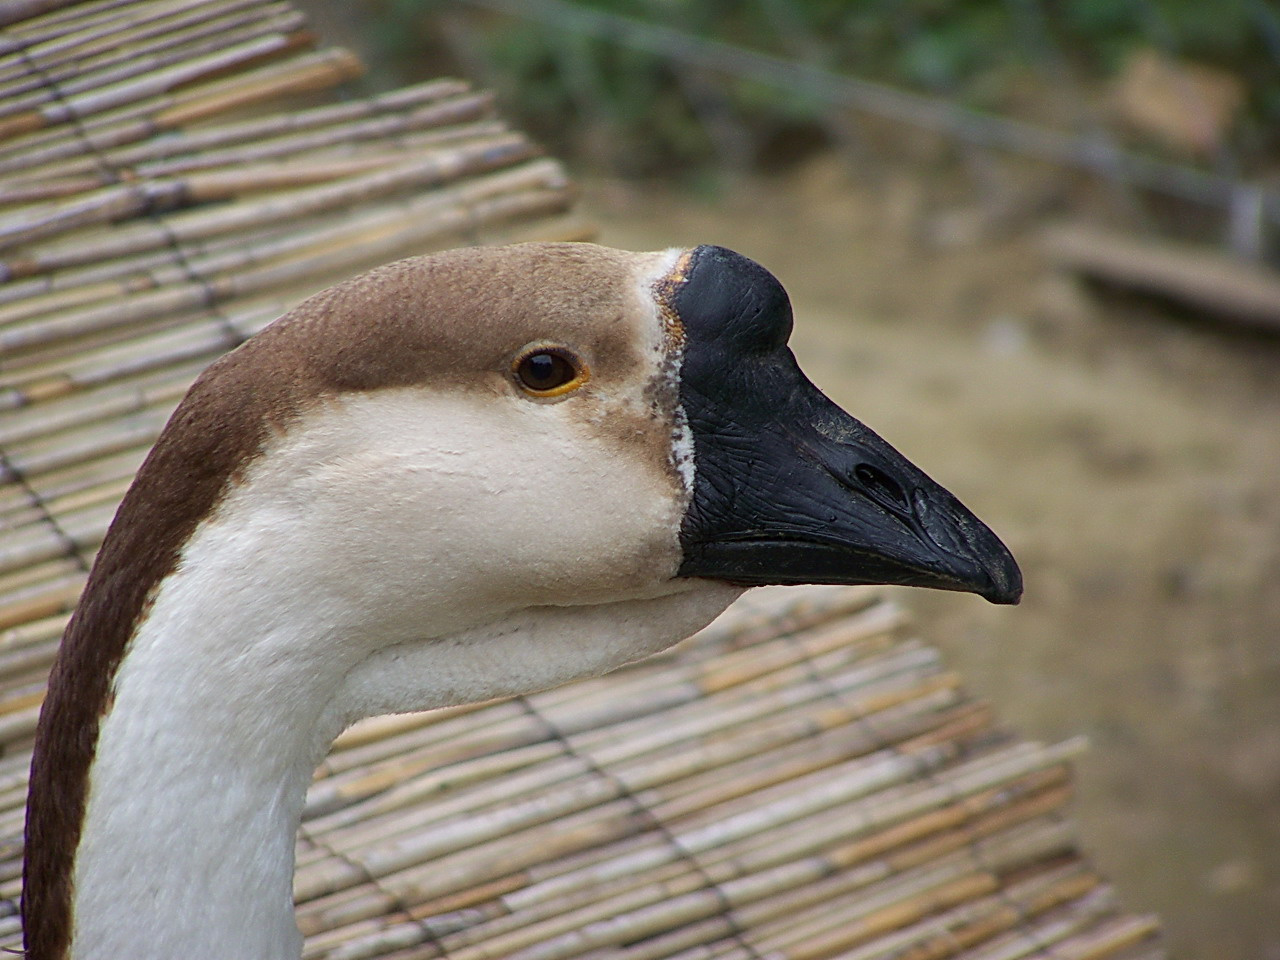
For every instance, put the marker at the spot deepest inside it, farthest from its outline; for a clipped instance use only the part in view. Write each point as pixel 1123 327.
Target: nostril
pixel 881 487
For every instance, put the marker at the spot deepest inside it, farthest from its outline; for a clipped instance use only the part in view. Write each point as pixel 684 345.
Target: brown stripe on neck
pixel 216 432
pixel 213 435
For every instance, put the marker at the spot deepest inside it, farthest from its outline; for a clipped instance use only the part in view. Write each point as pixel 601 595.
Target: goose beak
pixel 790 489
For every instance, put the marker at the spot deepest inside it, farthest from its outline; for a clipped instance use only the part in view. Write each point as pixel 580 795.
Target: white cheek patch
pixel 667 348
pixel 682 448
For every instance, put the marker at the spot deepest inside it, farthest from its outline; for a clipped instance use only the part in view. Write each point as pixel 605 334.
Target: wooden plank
pixel 1196 277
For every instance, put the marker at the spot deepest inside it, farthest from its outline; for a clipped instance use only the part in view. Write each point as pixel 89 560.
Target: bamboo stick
pixel 801 907
pixel 66 159
pixel 303 75
pixel 15 11
pixel 805 862
pixel 29 645
pixel 841 846
pixel 30 660
pixel 14 771
pixel 866 816
pixel 93 442
pixel 148 117
pixel 146 86
pixel 15 501
pixel 376 729
pixel 802 914
pixel 39 604
pixel 38 191
pixel 879 697
pixel 31 546
pixel 327 839
pixel 719 718
pixel 20 580
pixel 415 221
pixel 132 30
pixel 534 780
pixel 634 779
pixel 463 110
pixel 561 228
pixel 88 474
pixel 718 939
pixel 416 173
pixel 21 714
pixel 456 720
pixel 39 543
pixel 119 359
pixel 110 276
pixel 495 859
pixel 399 865
pixel 94 17
pixel 1046 933
pixel 1114 936
pixel 102 206
pixel 117 38
pixel 106 495
pixel 97 404
pixel 775 765
pixel 113 60
pixel 875 916
pixel 106 204
pixel 959 929
pixel 942 934
pixel 651 889
pixel 656 907
pixel 107 46
pixel 739 703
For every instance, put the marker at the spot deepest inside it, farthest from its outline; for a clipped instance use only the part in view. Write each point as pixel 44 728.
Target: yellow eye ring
pixel 546 371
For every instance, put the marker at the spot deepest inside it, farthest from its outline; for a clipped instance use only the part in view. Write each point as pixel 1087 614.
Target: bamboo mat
pixel 801 781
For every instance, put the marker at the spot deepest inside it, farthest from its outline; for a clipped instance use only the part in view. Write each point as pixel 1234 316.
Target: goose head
pixel 477 473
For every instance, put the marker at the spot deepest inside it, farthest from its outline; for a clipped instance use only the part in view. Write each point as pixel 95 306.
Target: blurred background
pixel 1034 243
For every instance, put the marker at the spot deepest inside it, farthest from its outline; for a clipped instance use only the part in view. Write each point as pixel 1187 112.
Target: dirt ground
pixel 1128 457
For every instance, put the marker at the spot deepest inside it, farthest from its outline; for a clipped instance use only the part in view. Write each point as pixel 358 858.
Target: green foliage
pixel 577 93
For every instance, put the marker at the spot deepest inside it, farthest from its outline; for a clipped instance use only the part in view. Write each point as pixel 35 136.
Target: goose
pixel 474 474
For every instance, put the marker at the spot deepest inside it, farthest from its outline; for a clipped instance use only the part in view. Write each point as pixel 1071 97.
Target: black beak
pixel 788 488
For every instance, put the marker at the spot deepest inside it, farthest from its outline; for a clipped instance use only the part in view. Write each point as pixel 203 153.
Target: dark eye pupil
pixel 545 371
pixel 542 368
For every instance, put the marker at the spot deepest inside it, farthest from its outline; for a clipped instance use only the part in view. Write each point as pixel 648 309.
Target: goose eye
pixel 545 372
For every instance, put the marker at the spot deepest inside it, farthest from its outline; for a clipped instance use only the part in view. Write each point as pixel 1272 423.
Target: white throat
pixel 285 621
